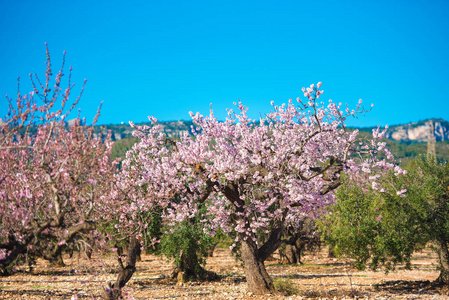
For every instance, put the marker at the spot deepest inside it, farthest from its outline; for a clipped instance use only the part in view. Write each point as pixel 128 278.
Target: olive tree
pixel 383 226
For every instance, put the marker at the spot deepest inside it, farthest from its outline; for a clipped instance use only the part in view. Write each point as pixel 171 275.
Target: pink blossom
pixel 401 192
pixel 54 171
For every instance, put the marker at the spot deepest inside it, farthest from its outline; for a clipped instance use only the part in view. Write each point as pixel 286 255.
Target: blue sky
pixel 166 58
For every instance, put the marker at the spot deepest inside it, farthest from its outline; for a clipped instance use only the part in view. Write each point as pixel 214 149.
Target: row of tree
pixel 255 181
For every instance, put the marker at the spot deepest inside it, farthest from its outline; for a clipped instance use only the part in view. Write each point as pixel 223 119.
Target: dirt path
pixel 319 277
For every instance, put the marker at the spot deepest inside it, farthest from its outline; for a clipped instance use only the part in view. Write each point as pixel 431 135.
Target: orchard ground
pixel 319 277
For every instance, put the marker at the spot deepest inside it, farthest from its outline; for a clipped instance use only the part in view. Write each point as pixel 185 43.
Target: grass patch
pixel 40 287
pixel 285 287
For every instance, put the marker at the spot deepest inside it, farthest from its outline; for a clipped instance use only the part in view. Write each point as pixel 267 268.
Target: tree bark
pixel 257 278
pixel 291 255
pixel 443 254
pixel 294 245
pixel 210 251
pixel 331 251
pixel 190 268
pixel 57 260
pixel 7 263
pixel 114 291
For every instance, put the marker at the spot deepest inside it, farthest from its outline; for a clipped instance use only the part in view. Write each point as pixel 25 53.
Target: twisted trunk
pixel 190 268
pixel 7 263
pixel 39 240
pixel 114 290
pixel 257 278
pixel 291 255
pixel 443 255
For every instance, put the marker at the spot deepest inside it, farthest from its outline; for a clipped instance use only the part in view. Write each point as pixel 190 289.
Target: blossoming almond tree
pixel 252 175
pixel 51 176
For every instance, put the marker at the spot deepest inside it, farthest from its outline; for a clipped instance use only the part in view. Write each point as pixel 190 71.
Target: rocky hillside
pixel 122 131
pixel 418 131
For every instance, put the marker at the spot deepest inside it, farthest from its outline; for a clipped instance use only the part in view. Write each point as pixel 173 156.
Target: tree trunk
pixel 114 291
pixel 257 278
pixel 330 251
pixel 290 254
pixel 190 268
pixel 56 260
pixel 210 251
pixel 299 248
pixel 443 254
pixel 294 246
pixel 191 265
pixel 7 263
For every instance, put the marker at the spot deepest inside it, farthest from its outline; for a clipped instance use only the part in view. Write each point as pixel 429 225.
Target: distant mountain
pixel 417 131
pixel 122 131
